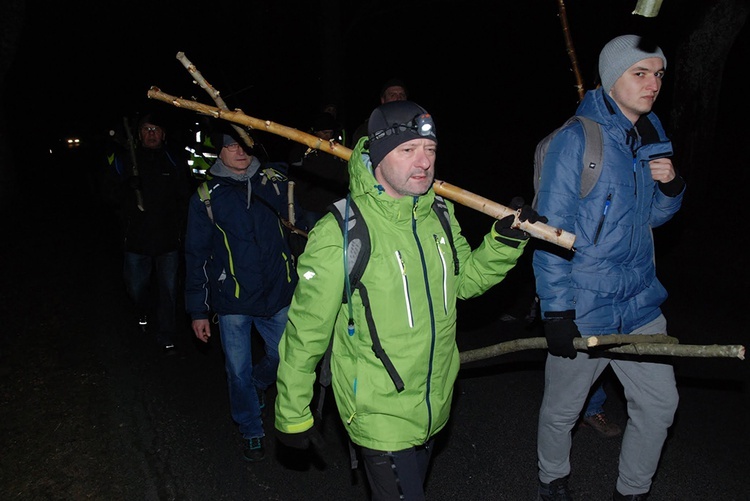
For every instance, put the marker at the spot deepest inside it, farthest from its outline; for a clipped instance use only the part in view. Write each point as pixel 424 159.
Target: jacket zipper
pixel 405 283
pixel 607 203
pixel 445 271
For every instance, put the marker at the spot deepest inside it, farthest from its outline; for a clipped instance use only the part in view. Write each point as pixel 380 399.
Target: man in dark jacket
pixel 239 266
pixel 320 178
pixel 151 197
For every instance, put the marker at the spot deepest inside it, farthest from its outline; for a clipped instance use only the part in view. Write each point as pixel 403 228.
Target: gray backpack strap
pixel 592 155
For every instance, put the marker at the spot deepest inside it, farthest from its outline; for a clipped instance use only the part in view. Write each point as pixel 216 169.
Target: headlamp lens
pixel 424 125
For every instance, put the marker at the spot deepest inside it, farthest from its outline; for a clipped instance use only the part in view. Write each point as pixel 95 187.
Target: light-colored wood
pixel 656 344
pixel 472 200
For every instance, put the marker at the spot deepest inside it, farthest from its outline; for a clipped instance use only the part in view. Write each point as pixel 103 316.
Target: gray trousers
pixel 651 393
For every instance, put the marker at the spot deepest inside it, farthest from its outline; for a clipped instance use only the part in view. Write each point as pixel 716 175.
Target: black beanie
pixel 392 124
pixel 152 118
pixel 324 121
pixel 224 134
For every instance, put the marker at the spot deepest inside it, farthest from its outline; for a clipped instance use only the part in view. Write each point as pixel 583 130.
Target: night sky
pixel 495 75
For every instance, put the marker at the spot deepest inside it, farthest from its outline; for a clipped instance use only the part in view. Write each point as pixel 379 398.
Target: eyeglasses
pixel 232 147
pixel 147 129
pixel 421 124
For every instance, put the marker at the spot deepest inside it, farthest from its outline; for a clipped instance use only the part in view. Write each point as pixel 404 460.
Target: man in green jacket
pixel 411 287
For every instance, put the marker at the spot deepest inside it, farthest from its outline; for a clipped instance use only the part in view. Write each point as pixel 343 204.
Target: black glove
pixel 134 182
pixel 560 329
pixel 503 227
pixel 302 440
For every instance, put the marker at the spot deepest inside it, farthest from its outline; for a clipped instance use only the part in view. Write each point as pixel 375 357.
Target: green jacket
pixel 412 289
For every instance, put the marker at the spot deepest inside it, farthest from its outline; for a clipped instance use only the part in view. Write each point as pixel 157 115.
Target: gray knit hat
pixel 394 123
pixel 623 52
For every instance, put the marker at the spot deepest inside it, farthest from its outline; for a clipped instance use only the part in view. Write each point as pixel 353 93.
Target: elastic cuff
pixel 508 241
pixel 559 315
pixel 673 188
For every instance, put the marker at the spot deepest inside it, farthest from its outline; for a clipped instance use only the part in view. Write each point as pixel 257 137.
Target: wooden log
pixel 656 344
pixel 537 230
pixel 214 93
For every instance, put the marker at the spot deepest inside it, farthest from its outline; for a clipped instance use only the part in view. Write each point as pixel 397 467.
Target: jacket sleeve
pixel 198 252
pixel 312 314
pixel 558 200
pixel 664 207
pixel 483 267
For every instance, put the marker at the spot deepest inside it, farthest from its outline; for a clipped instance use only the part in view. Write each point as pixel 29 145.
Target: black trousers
pixel 398 475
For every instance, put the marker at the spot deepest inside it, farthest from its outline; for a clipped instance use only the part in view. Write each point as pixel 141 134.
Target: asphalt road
pixel 92 410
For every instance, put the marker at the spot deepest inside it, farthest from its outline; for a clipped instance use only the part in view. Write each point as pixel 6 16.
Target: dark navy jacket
pixel 241 263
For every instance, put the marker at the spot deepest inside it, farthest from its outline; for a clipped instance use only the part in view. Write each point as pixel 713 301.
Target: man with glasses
pixel 149 188
pixel 239 267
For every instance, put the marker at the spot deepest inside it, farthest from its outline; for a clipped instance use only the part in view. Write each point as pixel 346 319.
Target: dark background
pixel 90 411
pixel 496 77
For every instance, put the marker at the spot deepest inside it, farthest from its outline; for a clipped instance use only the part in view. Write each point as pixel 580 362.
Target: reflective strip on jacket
pixel 413 292
pixel 240 263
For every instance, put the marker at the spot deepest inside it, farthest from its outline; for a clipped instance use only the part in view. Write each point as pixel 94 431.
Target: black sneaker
pixel 630 497
pixel 557 490
pixel 253 451
pixel 143 323
pixel 169 349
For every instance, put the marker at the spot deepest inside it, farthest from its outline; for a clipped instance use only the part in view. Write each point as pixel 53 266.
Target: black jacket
pixel 163 184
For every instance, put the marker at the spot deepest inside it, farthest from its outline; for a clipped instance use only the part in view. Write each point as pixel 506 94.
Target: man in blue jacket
pixel 239 266
pixel 609 285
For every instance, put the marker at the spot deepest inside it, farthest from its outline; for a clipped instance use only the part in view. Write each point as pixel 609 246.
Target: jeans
pixel 596 402
pixel 137 273
pixel 244 377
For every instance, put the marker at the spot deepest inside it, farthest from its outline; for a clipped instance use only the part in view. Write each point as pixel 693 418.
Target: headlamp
pixel 421 124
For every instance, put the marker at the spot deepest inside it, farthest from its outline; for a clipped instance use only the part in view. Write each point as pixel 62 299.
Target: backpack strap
pixel 441 209
pixel 592 160
pixel 356 255
pixel 592 154
pixel 356 242
pixel 205 195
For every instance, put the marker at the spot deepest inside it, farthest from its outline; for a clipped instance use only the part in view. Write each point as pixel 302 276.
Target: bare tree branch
pixel 539 230
pixel 655 344
pixel 214 93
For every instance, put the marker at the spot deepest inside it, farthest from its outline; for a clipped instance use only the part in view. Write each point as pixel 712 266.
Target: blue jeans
pixel 596 402
pixel 137 273
pixel 242 376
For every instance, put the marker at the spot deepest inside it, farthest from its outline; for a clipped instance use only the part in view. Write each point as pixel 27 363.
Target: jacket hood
pixel 600 107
